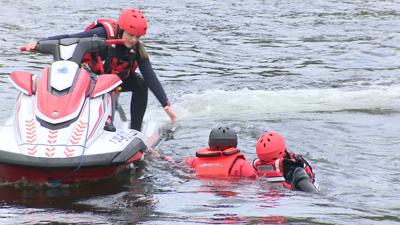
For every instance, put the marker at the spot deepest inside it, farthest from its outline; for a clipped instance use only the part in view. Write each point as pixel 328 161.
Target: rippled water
pixel 322 73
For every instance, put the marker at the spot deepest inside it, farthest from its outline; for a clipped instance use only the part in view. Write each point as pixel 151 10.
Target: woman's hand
pixel 31 46
pixel 170 113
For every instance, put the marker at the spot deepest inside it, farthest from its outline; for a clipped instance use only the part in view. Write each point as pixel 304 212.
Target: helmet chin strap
pixel 120 32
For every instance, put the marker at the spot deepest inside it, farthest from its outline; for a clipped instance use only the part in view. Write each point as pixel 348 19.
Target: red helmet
pixel 270 146
pixel 133 21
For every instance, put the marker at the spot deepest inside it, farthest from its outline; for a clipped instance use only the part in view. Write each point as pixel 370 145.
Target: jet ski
pixel 67 125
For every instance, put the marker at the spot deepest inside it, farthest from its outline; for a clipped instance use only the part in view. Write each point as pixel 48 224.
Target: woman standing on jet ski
pixel 123 60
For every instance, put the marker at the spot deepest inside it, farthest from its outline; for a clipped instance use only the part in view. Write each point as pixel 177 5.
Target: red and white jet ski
pixel 67 126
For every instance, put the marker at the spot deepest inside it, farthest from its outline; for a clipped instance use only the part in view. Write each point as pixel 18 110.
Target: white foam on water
pixel 245 101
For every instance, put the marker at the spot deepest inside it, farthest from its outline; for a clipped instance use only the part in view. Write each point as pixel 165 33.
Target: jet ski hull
pixel 40 176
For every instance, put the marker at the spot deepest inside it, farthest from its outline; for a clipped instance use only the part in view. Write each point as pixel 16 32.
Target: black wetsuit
pixel 135 83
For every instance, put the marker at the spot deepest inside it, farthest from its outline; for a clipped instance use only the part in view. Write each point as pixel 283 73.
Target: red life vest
pixel 110 65
pixel 273 171
pixel 216 162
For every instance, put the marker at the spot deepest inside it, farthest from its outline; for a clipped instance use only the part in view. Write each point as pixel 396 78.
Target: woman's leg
pixel 136 84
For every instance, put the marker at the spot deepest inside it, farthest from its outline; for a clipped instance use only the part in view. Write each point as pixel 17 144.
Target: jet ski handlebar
pixel 73 49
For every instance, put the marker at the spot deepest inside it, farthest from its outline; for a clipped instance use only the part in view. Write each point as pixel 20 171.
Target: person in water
pixel 277 164
pixel 123 60
pixel 221 158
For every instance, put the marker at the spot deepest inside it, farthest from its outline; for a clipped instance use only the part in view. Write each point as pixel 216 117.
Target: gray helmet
pixel 221 138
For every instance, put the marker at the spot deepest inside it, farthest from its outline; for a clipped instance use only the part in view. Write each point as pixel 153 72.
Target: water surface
pixel 324 74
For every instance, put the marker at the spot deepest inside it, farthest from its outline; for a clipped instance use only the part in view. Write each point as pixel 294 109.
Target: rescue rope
pixel 84 144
